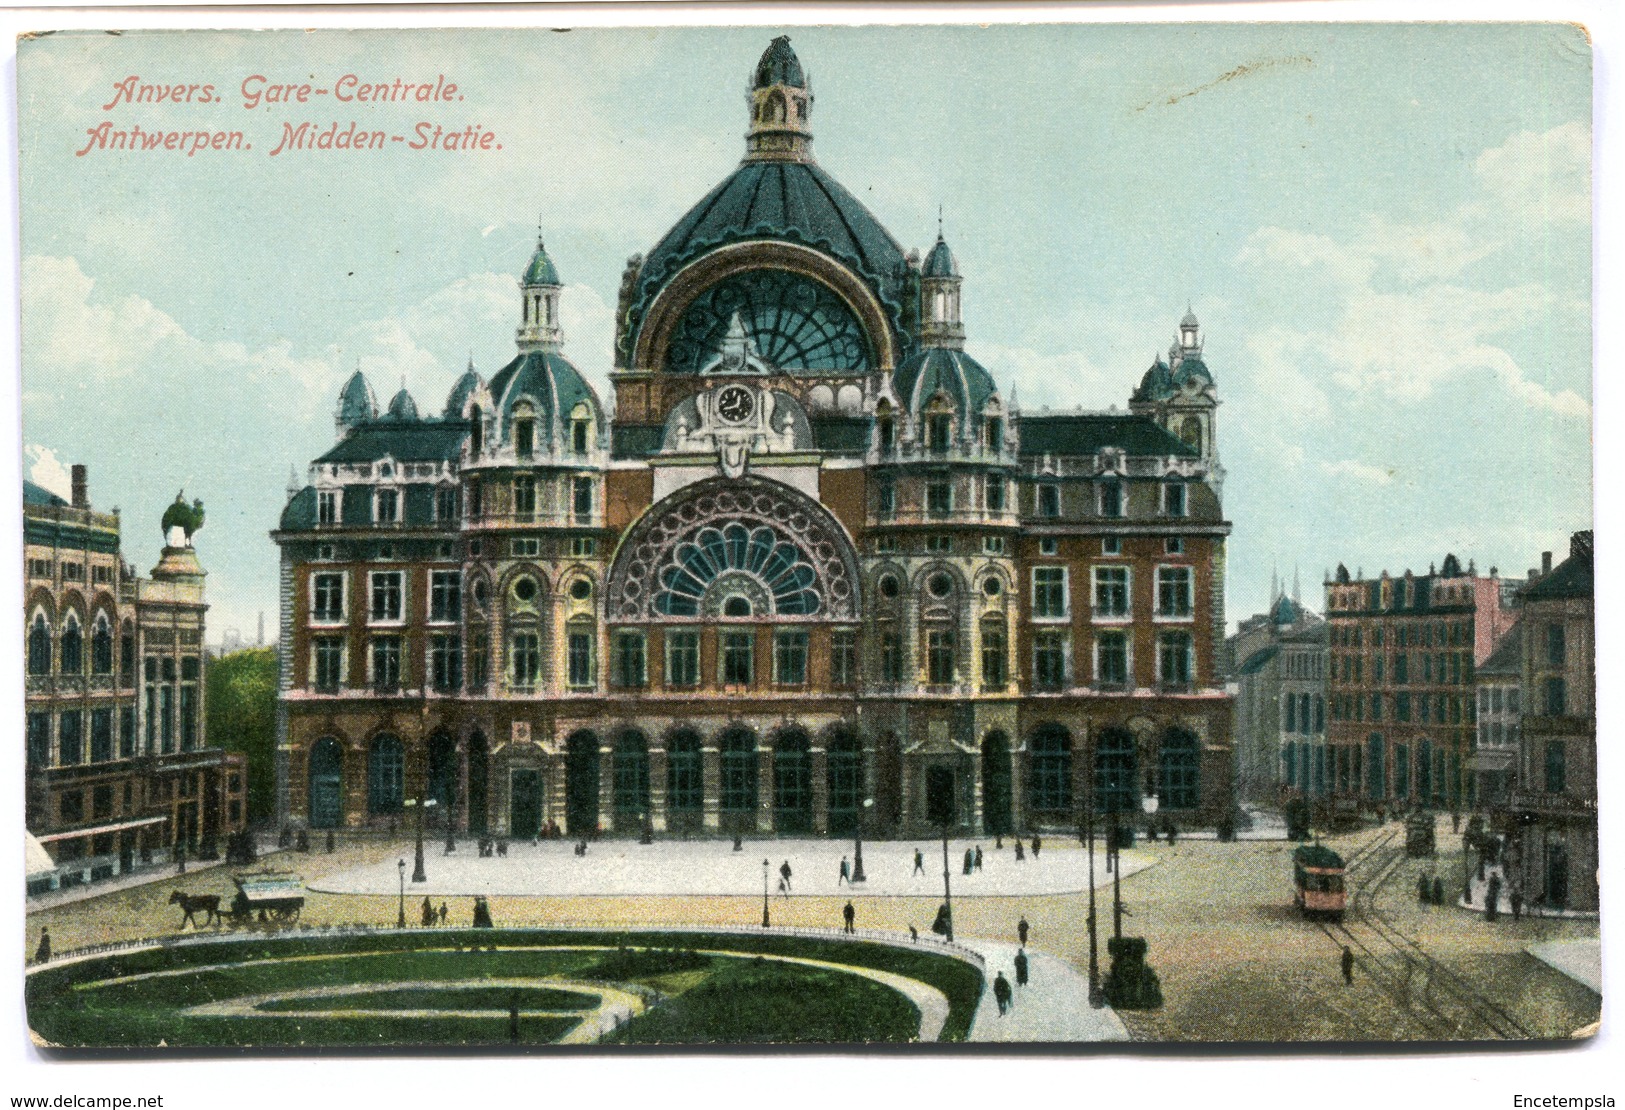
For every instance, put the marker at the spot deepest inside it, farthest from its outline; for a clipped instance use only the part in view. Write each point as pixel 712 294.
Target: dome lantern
pixel 940 322
pixel 540 287
pixel 780 102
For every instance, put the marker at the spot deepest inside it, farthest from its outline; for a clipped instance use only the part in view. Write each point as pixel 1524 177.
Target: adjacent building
pixel 1499 684
pixel 1401 699
pixel 117 768
pixel 1552 813
pixel 815 571
pixel 1280 661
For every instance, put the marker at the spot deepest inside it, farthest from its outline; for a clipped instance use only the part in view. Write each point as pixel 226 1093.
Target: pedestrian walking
pixel 919 862
pixel 42 954
pixel 784 873
pixel 1037 844
pixel 1348 966
pixel 1001 993
pixel 784 888
pixel 1438 891
pixel 428 914
pixel 913 934
pixel 442 915
pixel 1020 854
pixel 1021 931
pixel 978 857
pixel 1173 832
pixel 970 860
pixel 1517 904
pixel 1021 967
pixel 849 916
pixel 846 872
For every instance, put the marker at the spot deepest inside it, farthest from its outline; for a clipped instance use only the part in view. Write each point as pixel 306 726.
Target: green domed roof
pixel 780 66
pixel 940 262
pixel 357 404
pixel 940 370
pixel 466 386
pixel 547 380
pixel 541 270
pixel 1285 611
pixel 794 202
pixel 402 407
pixel 1155 384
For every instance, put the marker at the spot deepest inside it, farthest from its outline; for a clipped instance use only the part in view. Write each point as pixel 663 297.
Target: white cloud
pixel 45 469
pixel 1271 247
pixel 1542 175
pixel 1363 472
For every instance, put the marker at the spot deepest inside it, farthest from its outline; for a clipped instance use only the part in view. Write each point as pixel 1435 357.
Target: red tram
pixel 1317 879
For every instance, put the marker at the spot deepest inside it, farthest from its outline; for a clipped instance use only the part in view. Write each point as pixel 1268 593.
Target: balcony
pixel 916 517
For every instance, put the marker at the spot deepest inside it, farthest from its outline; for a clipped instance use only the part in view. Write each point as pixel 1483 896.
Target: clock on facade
pixel 735 404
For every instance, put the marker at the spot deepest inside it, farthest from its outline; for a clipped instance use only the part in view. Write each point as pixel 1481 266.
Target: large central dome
pixel 778 194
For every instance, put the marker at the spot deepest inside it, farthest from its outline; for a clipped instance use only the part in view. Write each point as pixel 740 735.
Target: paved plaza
pixel 614 868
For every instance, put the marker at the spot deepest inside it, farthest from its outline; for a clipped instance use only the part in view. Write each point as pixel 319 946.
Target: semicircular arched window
pixel 795 324
pixel 743 557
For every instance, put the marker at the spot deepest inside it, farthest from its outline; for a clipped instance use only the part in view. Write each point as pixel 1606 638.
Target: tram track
pixel 1434 999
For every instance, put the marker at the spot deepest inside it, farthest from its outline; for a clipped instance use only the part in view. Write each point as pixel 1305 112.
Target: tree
pixel 242 718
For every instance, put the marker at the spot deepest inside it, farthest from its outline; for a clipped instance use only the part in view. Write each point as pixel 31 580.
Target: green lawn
pixel 704 999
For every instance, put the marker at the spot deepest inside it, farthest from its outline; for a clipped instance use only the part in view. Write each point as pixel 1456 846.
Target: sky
pixel 1384 230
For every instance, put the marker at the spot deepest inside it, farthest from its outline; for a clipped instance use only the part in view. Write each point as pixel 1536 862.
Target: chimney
pixel 1545 562
pixel 81 495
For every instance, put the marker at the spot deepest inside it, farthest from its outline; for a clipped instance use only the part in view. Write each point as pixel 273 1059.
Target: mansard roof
pixel 423 441
pixel 1087 433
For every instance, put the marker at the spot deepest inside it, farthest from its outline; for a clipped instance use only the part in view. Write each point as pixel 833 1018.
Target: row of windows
pixel 1301 713
pixel 1111 592
pixel 101 574
pixel 939 544
pixel 1446 668
pixel 1113 661
pixel 994 489
pixel 1427 774
pixel 1425 634
pixel 388 503
pixel 81 736
pixel 69 653
pixel 1497 699
pixel 1404 707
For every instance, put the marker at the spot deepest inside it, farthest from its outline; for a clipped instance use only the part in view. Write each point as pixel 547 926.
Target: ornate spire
pixel 780 102
pixel 539 329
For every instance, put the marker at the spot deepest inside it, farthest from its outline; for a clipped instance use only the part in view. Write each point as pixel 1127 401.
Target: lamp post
pixel 419 875
pixel 1096 998
pixel 947 889
pixel 400 918
pixel 857 844
pixel 766 921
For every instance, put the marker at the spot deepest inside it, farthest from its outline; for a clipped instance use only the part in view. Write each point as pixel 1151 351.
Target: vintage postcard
pixel 808 535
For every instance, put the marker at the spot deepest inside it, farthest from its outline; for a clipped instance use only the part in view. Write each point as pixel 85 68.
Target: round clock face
pixel 735 404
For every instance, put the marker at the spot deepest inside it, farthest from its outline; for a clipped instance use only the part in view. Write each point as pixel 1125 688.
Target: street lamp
pixel 857 846
pixel 947 889
pixel 419 875
pixel 1097 999
pixel 766 921
pixel 400 918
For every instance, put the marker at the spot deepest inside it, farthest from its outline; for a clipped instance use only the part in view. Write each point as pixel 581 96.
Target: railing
pixel 950 516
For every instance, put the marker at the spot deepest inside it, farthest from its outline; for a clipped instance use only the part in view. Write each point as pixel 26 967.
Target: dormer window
pixel 1111 498
pixel 578 436
pixel 1173 499
pixel 476 432
pixel 886 434
pixel 939 430
pixel 993 435
pixel 386 506
pixel 524 437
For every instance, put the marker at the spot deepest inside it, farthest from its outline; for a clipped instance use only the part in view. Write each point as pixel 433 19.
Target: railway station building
pixel 807 567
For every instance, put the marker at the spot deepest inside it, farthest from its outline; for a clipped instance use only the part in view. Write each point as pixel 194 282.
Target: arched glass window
pixel 996 783
pixel 759 552
pixel 101 646
pixel 794 323
pixel 685 771
pixel 845 774
pixel 631 768
pixel 126 651
pixel 1179 770
pixel 386 775
pixel 73 646
pixel 738 759
pixel 792 783
pixel 1050 786
pixel 39 646
pixel 1115 788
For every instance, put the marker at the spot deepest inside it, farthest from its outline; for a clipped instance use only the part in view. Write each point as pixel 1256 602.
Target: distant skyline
pixel 1384 230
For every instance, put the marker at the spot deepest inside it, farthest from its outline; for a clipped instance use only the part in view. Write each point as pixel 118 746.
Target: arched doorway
pixel 1049 784
pixel 792 783
pixel 326 784
pixel 581 783
pixel 1179 769
pixel 845 775
pixel 738 760
pixel 386 775
pixel 443 776
pixel 631 785
pixel 889 781
pixel 996 784
pixel 1116 790
pixel 477 789
pixel 685 781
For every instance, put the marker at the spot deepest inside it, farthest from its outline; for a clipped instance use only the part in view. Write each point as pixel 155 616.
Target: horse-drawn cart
pixel 270 897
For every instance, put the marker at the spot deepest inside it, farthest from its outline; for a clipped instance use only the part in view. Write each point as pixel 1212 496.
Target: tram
pixel 1317 880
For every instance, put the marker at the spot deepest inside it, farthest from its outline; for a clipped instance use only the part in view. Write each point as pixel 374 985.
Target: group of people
pixel 1003 993
pixel 432 916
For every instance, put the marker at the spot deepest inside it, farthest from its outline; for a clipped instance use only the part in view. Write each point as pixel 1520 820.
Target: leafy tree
pixel 242 718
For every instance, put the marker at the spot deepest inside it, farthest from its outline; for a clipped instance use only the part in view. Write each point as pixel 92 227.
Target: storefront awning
pixel 98 830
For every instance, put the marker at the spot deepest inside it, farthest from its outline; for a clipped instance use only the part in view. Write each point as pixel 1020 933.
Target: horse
pixel 190 904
